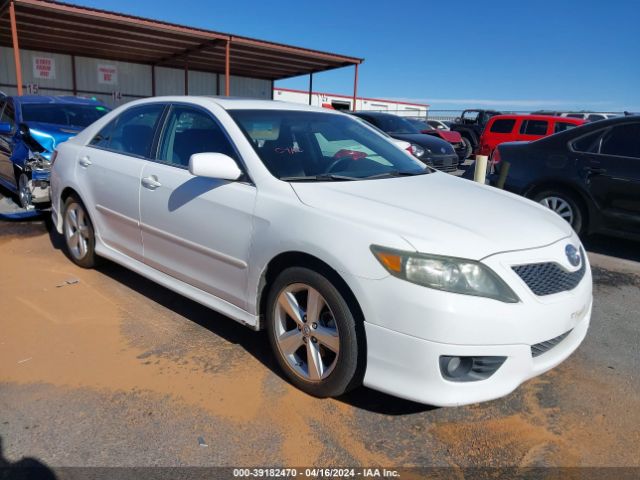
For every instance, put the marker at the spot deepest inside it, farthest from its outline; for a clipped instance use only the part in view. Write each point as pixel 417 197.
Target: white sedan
pixel 363 265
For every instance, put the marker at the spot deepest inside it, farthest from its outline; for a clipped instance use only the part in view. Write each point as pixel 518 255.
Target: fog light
pixel 457 366
pixel 469 369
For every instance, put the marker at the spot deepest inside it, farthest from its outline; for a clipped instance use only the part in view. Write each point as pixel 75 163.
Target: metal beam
pixel 74 79
pixel 16 47
pixel 227 69
pixel 355 87
pixel 310 87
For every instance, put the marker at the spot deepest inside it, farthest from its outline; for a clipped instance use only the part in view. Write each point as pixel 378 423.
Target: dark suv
pixel 471 125
pixel 589 175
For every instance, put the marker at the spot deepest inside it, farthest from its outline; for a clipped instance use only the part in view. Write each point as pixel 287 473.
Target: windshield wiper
pixel 397 173
pixel 323 177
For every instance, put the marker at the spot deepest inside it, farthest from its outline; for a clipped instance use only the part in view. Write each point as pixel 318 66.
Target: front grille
pixel 549 278
pixel 543 347
pixel 445 164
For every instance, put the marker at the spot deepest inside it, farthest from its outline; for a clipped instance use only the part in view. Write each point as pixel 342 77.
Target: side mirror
pixel 5 127
pixel 214 165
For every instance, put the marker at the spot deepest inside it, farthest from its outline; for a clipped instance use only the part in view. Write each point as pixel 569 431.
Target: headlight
pixel 417 150
pixel 457 275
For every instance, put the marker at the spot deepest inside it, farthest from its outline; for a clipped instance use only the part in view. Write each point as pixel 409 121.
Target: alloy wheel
pixel 560 206
pixel 306 332
pixel 76 231
pixel 24 192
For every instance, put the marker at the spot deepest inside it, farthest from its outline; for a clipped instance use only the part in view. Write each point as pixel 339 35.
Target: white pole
pixel 481 168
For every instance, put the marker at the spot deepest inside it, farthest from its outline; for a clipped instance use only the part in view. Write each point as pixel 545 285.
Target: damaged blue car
pixel 31 127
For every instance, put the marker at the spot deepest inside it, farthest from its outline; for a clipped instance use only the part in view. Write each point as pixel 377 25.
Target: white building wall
pixel 322 99
pixel 133 80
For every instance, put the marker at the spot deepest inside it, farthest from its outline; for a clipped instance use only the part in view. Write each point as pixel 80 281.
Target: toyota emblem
pixel 572 255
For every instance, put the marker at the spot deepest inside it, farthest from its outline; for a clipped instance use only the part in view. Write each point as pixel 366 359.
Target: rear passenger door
pixel 109 170
pixel 533 129
pixel 196 229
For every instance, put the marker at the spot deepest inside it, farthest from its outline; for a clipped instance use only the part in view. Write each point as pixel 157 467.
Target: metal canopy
pixel 58 27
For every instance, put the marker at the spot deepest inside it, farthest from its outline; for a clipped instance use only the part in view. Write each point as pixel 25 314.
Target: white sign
pixel 107 74
pixel 44 67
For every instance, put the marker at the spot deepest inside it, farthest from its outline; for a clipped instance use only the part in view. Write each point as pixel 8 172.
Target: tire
pixel 468 147
pixel 77 225
pixel 566 205
pixel 295 342
pixel 24 193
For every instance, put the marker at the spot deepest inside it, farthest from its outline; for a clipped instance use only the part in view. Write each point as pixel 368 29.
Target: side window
pixel 132 133
pixel 595 117
pixel 589 143
pixel 190 130
pixel 8 114
pixel 534 127
pixel 103 137
pixel 503 126
pixel 623 140
pixel 562 126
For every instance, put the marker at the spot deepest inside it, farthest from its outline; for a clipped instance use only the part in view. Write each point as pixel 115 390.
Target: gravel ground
pixel 104 368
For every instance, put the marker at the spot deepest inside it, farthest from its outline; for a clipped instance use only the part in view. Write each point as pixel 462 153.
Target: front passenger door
pixel 196 229
pixel 614 175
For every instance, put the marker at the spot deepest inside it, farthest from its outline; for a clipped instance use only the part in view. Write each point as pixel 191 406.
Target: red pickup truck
pixel 509 128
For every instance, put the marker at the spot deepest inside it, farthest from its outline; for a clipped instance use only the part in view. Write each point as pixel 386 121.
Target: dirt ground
pixel 104 368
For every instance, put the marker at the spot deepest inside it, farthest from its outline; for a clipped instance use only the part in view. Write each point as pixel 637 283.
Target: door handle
pixel 84 161
pixel 151 182
pixel 596 170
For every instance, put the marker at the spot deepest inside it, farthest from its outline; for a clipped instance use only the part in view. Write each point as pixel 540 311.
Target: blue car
pixel 31 127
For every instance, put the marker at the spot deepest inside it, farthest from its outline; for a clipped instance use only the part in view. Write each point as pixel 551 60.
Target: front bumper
pixel 409 327
pixel 408 367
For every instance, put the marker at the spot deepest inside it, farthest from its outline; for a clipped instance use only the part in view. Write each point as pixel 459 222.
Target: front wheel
pixel 24 191
pixel 79 236
pixel 564 204
pixel 468 147
pixel 313 333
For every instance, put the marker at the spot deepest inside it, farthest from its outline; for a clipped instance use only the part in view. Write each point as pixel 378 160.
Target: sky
pixel 510 55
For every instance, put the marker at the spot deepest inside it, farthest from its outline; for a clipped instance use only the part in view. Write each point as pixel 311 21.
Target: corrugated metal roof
pixel 71 29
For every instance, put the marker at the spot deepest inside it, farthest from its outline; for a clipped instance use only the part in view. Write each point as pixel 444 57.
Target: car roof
pixel 587 128
pixel 542 116
pixel 233 103
pixel 54 99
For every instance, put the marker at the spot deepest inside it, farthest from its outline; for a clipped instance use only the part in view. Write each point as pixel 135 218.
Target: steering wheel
pixel 345 157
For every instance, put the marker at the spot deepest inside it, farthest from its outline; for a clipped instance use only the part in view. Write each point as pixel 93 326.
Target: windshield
pixel 300 146
pixel 419 124
pixel 63 114
pixel 394 124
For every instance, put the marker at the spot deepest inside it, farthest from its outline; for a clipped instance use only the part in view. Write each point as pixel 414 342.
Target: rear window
pixel 534 127
pixel 503 126
pixel 562 126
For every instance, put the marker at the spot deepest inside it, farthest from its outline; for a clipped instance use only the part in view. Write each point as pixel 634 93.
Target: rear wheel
pixel 564 204
pixel 79 236
pixel 313 333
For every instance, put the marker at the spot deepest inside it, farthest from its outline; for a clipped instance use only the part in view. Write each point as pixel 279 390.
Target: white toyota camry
pixel 363 265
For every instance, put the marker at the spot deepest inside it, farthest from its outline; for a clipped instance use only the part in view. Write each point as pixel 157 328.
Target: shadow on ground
pixel 25 468
pixel 614 247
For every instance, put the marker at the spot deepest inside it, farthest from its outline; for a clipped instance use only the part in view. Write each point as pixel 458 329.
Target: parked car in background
pixel 439 124
pixel 31 127
pixel 590 175
pixel 363 269
pixel 510 128
pixel 454 138
pixel 471 125
pixel 433 151
pixel 587 116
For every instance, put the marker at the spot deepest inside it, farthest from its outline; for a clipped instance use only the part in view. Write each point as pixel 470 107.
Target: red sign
pixel 108 74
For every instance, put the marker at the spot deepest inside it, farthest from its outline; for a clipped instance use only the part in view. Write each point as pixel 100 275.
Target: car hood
pixel 440 214
pixel 451 137
pixel 49 135
pixel 421 139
